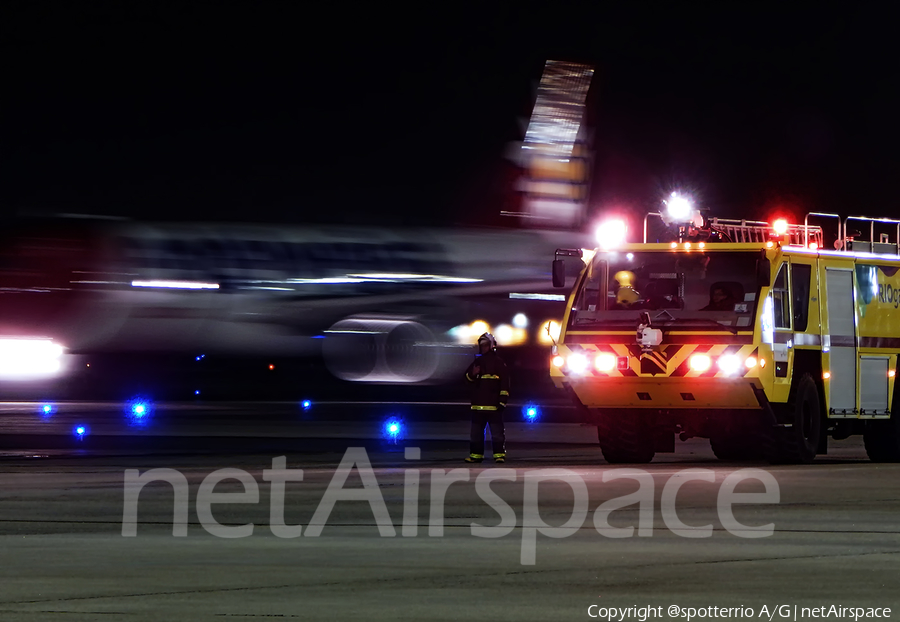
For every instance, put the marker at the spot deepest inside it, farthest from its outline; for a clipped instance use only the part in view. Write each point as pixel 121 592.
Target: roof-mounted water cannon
pixel 647 336
pixel 680 212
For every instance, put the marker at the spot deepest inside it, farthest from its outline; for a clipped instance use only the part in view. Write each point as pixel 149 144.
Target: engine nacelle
pixel 382 350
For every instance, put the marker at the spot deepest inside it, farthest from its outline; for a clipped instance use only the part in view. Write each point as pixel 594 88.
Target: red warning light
pixel 780 226
pixel 813 246
pixel 271 367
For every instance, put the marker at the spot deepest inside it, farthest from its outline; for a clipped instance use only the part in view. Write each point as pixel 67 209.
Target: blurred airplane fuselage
pixel 379 305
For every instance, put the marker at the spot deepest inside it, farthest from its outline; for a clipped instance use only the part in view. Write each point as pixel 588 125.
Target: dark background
pixel 292 112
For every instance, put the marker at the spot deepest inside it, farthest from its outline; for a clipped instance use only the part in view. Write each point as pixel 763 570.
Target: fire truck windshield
pixel 682 290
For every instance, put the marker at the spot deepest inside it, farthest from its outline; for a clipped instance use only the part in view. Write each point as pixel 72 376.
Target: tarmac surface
pixel 81 540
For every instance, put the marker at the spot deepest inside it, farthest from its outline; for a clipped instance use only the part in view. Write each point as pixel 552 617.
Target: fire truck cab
pixel 747 333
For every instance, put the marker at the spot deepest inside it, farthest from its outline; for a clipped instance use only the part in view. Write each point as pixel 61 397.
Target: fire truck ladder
pixel 755 231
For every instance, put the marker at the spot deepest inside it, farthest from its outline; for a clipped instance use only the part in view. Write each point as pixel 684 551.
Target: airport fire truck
pixel 757 336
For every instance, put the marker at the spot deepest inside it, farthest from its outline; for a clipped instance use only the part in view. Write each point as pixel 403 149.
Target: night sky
pixel 283 112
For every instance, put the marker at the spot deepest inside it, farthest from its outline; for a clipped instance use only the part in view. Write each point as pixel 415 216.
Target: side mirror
pixel 559 273
pixel 763 273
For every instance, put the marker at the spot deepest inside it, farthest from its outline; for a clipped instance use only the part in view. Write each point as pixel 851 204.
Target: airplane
pixel 376 305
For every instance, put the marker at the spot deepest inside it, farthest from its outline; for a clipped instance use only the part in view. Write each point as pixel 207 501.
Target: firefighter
pixel 490 391
pixel 720 299
pixel 626 295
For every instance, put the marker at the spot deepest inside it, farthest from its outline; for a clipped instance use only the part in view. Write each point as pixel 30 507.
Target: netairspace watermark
pixel 766 612
pixel 530 526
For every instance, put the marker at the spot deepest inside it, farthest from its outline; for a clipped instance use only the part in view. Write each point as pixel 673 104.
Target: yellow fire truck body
pixel 765 347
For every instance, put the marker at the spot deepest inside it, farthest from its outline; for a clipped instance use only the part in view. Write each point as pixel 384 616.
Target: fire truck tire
pixel 882 439
pixel 798 442
pixel 625 438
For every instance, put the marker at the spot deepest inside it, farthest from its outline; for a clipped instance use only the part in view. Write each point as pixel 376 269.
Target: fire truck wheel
pixel 625 438
pixel 882 439
pixel 798 442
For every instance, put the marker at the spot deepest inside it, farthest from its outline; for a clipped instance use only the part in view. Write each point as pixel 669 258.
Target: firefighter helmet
pixel 488 338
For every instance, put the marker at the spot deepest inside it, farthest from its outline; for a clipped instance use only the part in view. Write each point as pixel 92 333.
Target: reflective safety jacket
pixel 490 387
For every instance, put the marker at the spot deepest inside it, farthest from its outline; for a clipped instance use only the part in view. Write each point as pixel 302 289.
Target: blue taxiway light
pixel 392 429
pixel 47 409
pixel 531 412
pixel 138 410
pixel 80 431
pixel 197 392
pixel 306 404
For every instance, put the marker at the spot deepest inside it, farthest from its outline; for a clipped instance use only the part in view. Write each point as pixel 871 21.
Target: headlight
pixel 730 364
pixel 27 358
pixel 700 362
pixel 605 362
pixel 578 363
